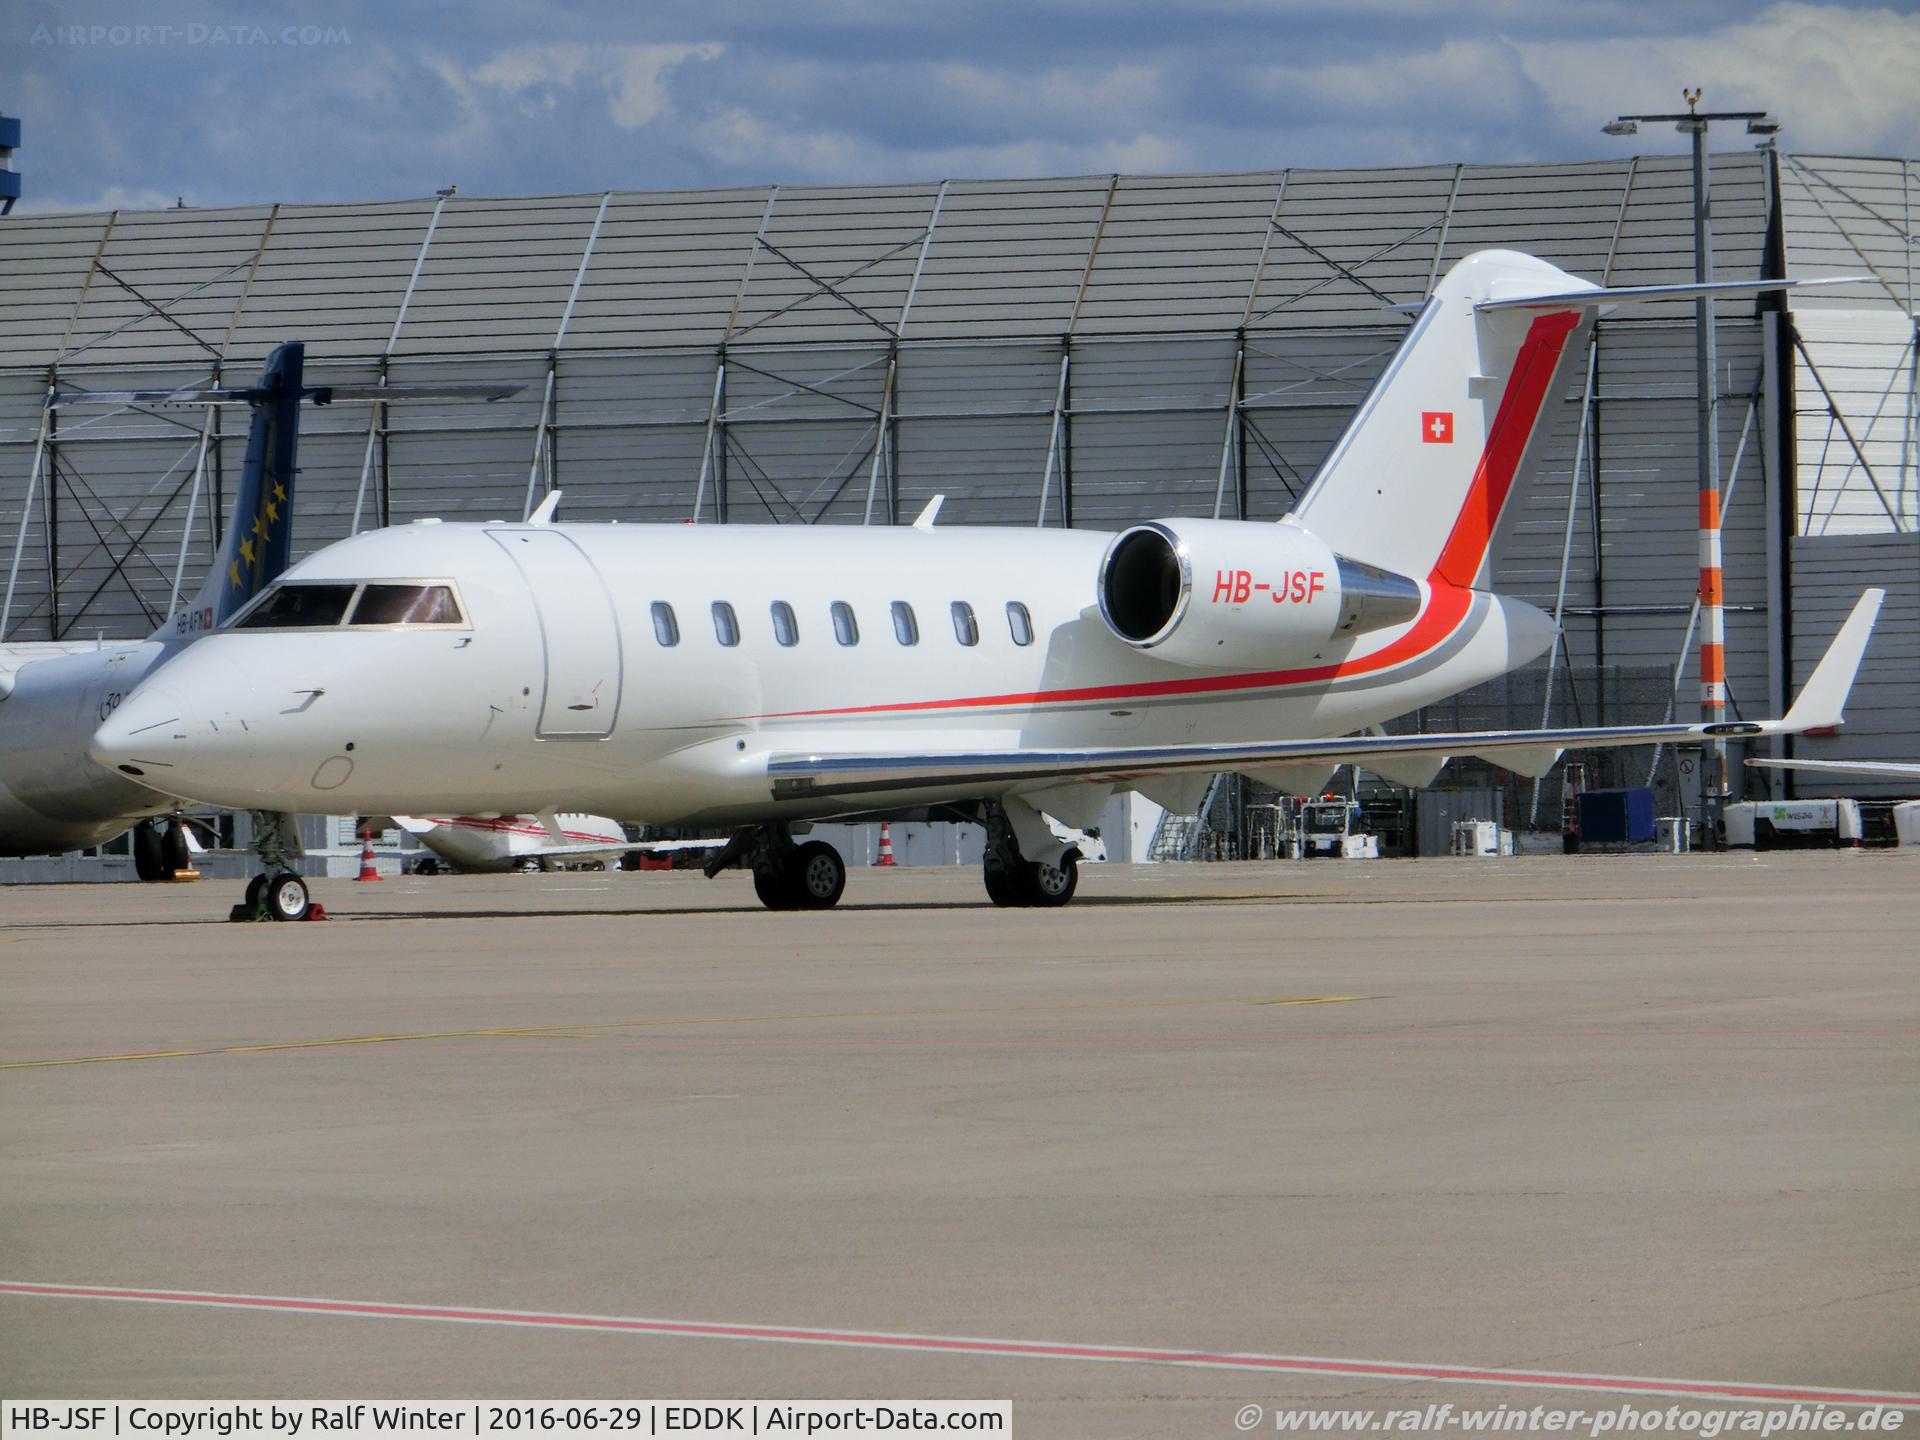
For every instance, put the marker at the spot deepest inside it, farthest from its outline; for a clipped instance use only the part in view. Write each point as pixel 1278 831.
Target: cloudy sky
pixel 137 102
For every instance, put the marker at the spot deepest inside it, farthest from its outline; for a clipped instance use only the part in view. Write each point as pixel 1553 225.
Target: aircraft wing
pixel 1882 769
pixel 1820 705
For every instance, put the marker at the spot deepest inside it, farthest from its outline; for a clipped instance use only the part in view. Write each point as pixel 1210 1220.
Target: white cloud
pixel 1841 80
pixel 113 197
pixel 540 77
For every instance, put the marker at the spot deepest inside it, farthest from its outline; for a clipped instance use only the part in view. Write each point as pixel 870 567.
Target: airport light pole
pixel 1713 626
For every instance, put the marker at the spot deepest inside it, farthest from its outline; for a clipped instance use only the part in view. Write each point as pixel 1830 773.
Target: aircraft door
pixel 578 631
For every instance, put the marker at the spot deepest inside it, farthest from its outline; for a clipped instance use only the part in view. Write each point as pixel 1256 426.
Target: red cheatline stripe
pixel 1009 1349
pixel 1533 367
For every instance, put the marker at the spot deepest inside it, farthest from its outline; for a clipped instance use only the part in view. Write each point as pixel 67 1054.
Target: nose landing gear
pixel 279 893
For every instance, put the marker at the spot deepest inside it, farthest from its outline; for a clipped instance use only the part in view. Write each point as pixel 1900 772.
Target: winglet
pixel 927 516
pixel 1823 698
pixel 543 513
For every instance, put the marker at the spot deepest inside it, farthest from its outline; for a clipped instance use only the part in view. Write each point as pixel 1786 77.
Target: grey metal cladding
pixel 797 300
pixel 1827 575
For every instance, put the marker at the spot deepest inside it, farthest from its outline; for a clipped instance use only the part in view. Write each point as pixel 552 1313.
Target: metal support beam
pixel 1566 558
pixel 193 501
pixel 1056 435
pixel 882 446
pixel 712 458
pixel 26 511
pixel 542 466
pixel 1232 443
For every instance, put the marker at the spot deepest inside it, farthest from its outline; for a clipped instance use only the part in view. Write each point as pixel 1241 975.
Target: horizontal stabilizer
pixel 1651 294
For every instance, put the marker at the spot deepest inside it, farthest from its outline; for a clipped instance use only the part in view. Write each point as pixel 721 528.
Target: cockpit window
pixel 407 605
pixel 299 607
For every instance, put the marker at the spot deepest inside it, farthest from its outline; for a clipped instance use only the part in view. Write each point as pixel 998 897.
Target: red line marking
pixel 1450 582
pixel 1010 1349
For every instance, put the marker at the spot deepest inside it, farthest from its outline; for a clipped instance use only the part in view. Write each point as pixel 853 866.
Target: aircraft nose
pixel 143 736
pixel 184 730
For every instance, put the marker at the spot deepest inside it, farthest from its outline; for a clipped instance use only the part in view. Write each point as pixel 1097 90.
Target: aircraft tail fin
pixel 1418 482
pixel 258 541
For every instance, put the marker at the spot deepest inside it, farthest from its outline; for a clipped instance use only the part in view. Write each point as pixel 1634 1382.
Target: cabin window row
pixel 846 625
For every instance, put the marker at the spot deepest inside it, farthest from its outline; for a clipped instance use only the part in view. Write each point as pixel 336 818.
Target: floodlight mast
pixel 1694 123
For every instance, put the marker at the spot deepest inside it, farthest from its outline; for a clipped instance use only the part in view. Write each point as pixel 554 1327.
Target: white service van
pixel 1779 824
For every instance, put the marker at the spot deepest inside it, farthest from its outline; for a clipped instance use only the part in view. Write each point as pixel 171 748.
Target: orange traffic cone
pixel 886 846
pixel 367 872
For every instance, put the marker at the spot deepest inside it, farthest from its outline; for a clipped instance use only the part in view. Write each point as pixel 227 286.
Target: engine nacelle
pixel 1229 593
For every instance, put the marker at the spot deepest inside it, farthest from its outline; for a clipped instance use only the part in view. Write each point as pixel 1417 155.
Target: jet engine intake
pixel 1228 593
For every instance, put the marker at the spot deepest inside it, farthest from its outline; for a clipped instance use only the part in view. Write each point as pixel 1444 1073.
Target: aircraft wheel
pixel 1050 885
pixel 531 866
pixel 817 876
pixel 256 891
pixel 287 898
pixel 149 859
pixel 175 854
pixel 772 888
pixel 426 865
pixel 1000 887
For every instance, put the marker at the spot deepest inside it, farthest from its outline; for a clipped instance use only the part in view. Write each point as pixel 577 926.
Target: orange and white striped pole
pixel 1713 625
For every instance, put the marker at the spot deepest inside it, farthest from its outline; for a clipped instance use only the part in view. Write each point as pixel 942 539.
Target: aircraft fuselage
pixel 558 689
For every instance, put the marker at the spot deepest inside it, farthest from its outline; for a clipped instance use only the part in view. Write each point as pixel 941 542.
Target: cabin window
pixel 906 629
pixel 406 605
pixel 785 628
pixel 726 629
pixel 299 607
pixel 1020 623
pixel 666 629
pixel 966 629
pixel 845 628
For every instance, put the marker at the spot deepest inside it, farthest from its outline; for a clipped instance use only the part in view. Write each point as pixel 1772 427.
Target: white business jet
pixel 498 843
pixel 53 694
pixel 759 678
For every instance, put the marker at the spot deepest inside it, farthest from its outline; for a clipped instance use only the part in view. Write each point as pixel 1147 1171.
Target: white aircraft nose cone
pixel 143 736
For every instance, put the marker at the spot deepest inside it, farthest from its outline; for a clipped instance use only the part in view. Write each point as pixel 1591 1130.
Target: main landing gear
pixel 1012 879
pixel 278 893
pixel 786 876
pixel 160 849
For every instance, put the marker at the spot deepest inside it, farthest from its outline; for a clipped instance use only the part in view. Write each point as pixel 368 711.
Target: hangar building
pixel 1083 351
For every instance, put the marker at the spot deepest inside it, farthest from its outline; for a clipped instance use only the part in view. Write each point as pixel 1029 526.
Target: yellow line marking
pixel 562 1029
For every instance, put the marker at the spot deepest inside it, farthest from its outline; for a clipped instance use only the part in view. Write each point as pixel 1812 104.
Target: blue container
pixel 1616 817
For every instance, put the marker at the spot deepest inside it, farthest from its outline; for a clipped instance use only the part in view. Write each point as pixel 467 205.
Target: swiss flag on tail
pixel 1436 427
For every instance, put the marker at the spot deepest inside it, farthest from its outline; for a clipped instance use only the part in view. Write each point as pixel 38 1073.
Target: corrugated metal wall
pixel 1827 572
pixel 1857 348
pixel 1088 351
